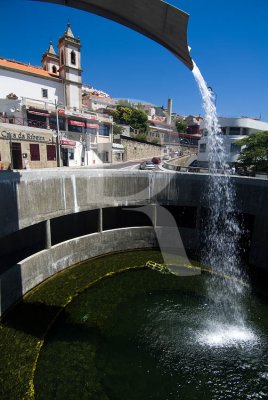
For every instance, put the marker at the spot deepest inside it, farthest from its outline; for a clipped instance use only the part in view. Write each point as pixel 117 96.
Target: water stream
pixel 222 234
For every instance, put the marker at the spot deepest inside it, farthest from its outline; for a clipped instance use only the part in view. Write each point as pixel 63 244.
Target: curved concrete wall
pixel 24 276
pixel 29 197
pixel 32 197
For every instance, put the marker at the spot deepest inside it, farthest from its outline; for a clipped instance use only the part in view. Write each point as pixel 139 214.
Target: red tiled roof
pixel 26 68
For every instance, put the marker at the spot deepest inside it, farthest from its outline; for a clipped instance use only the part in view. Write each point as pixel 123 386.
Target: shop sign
pixel 92 125
pixel 91 117
pixel 74 114
pixel 79 115
pixel 76 123
pixel 67 142
pixel 22 136
pixel 42 113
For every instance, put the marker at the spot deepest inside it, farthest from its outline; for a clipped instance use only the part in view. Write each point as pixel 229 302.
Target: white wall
pixel 227 141
pixel 30 86
pixel 244 122
pixel 251 124
pixel 73 76
pixel 77 155
pixel 92 158
pixel 74 96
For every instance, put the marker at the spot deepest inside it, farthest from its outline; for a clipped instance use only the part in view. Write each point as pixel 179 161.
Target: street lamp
pixel 58 139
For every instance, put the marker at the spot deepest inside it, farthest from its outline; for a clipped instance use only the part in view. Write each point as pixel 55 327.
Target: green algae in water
pixel 88 320
pixel 139 335
pixel 134 335
pixel 23 329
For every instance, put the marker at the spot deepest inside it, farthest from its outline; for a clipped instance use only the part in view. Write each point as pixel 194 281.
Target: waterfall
pixel 222 231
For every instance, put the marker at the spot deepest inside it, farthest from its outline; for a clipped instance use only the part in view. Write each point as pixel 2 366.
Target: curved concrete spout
pixel 155 19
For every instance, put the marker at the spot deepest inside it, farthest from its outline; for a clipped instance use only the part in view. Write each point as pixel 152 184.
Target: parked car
pixel 194 164
pixel 156 160
pixel 147 165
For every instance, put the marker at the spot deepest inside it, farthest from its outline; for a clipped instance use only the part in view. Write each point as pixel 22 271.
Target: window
pixel 104 130
pixel 54 69
pixel 74 128
pixel 34 152
pixel 91 131
pixel 44 93
pixel 73 57
pixel 71 154
pixel 51 152
pixel 62 57
pixel 234 130
pixel 53 123
pixel 202 148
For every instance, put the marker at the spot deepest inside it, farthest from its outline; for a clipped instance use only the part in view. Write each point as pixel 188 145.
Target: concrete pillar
pixel 100 221
pixel 154 216
pixel 48 234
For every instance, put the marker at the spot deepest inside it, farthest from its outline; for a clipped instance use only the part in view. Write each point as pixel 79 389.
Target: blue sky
pixel 229 41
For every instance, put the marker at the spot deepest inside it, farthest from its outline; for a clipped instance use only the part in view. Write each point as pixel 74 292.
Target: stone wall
pixel 22 136
pixel 138 150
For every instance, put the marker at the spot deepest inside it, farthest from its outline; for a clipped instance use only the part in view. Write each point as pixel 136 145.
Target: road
pixel 129 165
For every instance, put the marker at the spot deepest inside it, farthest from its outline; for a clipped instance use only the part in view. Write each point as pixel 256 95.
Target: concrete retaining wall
pixel 32 197
pixel 24 276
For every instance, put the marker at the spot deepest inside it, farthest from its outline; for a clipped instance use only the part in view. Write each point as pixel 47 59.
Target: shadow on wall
pixel 9 222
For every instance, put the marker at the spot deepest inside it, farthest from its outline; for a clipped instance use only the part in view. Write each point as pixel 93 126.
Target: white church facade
pixel 48 100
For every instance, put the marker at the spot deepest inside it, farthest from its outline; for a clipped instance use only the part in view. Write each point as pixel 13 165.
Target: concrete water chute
pixel 159 21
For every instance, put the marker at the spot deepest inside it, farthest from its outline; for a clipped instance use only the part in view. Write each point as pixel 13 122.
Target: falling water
pixel 222 231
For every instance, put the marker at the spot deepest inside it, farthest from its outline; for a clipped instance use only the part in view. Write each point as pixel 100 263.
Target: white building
pixel 232 130
pixel 42 96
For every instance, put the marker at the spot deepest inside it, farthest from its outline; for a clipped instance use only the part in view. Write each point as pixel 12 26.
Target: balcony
pixel 24 122
pixel 39 104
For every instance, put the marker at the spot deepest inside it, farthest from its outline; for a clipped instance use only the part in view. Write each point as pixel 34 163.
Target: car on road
pixel 194 164
pixel 147 165
pixel 156 160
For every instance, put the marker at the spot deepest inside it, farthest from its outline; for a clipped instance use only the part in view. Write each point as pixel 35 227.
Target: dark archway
pixel 159 21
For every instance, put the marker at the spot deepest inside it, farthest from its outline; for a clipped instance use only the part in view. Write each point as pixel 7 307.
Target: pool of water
pixel 101 331
pixel 157 341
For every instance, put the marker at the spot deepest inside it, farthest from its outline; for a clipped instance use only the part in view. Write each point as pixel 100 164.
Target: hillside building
pixel 50 98
pixel 232 129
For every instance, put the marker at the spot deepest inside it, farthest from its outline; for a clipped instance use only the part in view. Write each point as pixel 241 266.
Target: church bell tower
pixel 70 69
pixel 50 60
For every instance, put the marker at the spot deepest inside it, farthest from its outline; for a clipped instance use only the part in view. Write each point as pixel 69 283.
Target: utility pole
pixel 58 136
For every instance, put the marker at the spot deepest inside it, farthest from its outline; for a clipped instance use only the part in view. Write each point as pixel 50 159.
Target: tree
pixel 181 125
pixel 118 130
pixel 255 152
pixel 124 103
pixel 122 115
pixel 141 136
pixel 137 119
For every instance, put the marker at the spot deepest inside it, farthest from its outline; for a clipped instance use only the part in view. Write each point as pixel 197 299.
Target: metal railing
pixel 24 121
